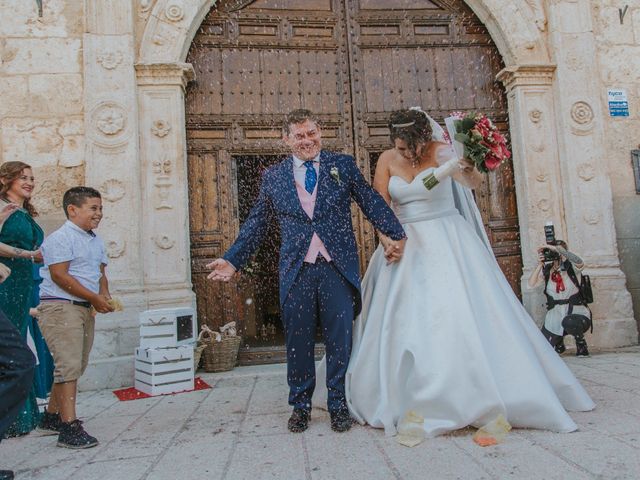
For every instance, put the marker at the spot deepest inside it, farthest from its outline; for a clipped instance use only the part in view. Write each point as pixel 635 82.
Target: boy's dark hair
pixel 299 115
pixel 77 196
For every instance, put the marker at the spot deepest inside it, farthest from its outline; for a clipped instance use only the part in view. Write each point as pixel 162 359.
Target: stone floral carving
pixel 544 205
pixel 112 190
pixel 586 172
pixel 581 113
pixel 542 177
pixel 162 166
pixel 145 5
pixel 115 248
pixel 535 115
pixel 109 124
pixel 164 241
pixel 592 217
pixel 110 59
pixel 160 128
pixel 582 116
pixel 174 12
pixel 109 118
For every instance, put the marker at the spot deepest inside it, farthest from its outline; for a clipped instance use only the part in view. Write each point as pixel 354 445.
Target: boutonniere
pixel 335 174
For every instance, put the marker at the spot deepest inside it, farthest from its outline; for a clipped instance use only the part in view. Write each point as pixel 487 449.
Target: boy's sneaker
pixel 50 423
pixel 72 435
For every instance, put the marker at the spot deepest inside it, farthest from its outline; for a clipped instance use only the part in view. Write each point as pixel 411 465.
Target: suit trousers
pixel 319 294
pixel 17 365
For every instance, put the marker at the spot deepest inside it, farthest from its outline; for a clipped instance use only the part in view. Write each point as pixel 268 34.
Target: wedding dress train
pixel 441 332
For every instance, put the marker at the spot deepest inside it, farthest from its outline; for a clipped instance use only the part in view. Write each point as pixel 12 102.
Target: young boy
pixel 74 280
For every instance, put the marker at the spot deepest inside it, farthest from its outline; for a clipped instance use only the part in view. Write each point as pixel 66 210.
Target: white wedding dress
pixel 441 332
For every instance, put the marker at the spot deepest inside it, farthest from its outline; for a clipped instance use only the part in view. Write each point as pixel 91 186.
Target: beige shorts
pixel 68 331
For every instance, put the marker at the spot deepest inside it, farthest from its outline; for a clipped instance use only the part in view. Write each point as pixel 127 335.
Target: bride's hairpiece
pixel 403 125
pixel 409 124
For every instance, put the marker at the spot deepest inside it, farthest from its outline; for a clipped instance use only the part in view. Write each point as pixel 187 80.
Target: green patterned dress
pixel 21 231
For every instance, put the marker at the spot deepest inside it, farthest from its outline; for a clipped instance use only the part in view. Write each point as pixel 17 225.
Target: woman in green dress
pixel 21 237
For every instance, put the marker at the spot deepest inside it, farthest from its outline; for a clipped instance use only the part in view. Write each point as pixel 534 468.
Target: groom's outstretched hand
pixel 222 270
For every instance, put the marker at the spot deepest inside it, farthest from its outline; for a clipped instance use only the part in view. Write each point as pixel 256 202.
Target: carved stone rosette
pixel 582 117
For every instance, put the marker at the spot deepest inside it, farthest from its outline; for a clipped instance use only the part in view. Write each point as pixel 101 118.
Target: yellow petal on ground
pixel 493 432
pixel 411 429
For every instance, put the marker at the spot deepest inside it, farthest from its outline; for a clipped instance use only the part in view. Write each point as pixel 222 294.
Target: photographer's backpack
pixel 585 295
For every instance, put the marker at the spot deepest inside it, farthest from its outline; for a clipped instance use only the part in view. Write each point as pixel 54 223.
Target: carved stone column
pixel 163 161
pixel 585 183
pixel 111 149
pixel 536 165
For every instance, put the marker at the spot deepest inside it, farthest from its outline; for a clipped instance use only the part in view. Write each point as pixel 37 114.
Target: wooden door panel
pixel 319 5
pixel 352 62
pixel 397 5
pixel 253 66
pixel 442 59
pixel 204 198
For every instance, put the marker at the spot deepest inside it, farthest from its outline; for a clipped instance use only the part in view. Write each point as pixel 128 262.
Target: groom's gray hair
pixel 296 116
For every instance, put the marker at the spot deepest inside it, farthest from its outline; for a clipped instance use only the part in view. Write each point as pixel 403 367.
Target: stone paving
pixel 237 430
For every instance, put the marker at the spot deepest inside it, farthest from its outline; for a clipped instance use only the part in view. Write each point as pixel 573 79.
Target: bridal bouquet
pixel 474 136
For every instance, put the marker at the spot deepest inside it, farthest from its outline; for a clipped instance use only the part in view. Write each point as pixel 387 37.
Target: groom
pixel 309 194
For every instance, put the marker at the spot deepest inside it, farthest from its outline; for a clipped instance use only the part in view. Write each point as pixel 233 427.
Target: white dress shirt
pixel 84 250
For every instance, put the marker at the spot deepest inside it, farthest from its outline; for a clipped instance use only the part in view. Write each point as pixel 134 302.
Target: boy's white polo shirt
pixel 84 250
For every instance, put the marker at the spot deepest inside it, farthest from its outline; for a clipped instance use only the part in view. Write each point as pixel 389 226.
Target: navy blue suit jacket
pixel 331 220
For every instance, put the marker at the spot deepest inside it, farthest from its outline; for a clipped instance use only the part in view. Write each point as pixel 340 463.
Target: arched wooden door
pixel 352 62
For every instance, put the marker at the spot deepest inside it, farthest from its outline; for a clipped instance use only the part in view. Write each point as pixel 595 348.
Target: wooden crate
pixel 168 327
pixel 164 370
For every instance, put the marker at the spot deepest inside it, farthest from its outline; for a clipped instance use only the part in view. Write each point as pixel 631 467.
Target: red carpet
pixel 131 393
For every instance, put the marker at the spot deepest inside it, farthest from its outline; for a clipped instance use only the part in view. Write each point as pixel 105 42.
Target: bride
pixel 441 333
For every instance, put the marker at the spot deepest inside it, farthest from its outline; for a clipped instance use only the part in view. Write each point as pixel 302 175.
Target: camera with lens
pixel 550 239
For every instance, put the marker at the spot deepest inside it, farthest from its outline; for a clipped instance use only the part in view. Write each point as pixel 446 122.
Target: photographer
pixel 567 311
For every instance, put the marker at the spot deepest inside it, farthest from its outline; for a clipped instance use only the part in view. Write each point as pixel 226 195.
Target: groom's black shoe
pixel 299 420
pixel 341 421
pixel 6 475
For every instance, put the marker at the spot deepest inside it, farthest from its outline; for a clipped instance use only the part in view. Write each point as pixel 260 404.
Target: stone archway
pixel 556 141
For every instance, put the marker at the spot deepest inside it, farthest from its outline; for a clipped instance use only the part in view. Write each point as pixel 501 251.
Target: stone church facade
pixel 93 93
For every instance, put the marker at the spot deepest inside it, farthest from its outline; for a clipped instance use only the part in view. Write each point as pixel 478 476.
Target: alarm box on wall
pixel 168 327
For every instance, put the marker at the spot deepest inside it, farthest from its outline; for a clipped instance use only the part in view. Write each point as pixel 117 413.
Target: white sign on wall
pixel 618 103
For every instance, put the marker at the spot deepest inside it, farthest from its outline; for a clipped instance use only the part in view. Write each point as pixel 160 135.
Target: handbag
pixel 585 289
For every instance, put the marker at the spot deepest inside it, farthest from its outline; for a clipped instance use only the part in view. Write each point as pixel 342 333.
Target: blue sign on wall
pixel 618 103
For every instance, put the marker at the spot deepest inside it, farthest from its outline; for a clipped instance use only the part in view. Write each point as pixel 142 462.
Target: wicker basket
pixel 221 356
pixel 197 354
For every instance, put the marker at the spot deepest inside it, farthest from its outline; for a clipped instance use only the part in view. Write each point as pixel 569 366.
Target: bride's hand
pixel 466 165
pixel 395 251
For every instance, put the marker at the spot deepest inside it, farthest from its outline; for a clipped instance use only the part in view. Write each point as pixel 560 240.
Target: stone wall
pixel 41 96
pixel 618 63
